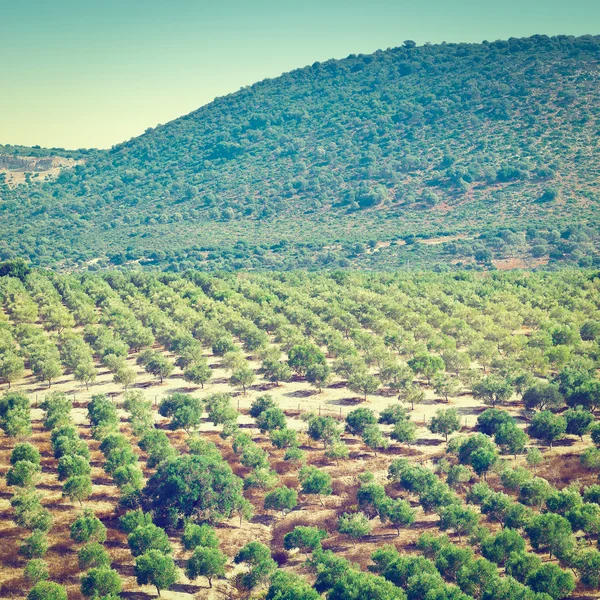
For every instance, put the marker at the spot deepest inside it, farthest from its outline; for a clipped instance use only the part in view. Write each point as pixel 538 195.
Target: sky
pixel 93 73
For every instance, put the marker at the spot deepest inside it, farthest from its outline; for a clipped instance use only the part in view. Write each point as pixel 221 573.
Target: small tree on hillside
pixel 493 390
pixel 206 562
pixel 318 375
pixel 374 439
pixel 198 373
pixel 412 395
pixel 281 498
pixel 315 481
pixel 307 539
pixel 358 419
pixel 157 569
pixel 363 383
pixel 243 378
pixel 445 422
pixel 547 426
pixel 355 526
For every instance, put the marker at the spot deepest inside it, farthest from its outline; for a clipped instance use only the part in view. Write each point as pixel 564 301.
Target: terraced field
pixel 328 417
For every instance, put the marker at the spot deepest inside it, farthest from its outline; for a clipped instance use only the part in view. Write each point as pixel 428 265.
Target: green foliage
pixel 315 481
pixel 318 375
pixel 398 513
pixel 355 526
pixel 587 564
pixel 283 438
pixel 36 570
pixel 325 429
pixel 303 356
pixel 93 555
pixel 551 532
pixel 77 487
pixel 356 585
pixel 270 420
pixel 185 411
pixel 552 580
pixel 307 539
pixel 148 537
pixel 511 439
pixel 358 419
pixel 199 486
pixel 87 527
pixel 198 373
pixel 134 519
pixel 461 520
pixel 393 414
pixel 219 409
pixel 35 546
pixel 491 419
pixel 500 547
pixel 521 565
pixel 47 590
pixel 543 396
pixel 373 438
pixel 493 390
pixel 71 465
pixel 363 383
pixel 281 498
pixel 157 569
pixel 15 419
pixel 404 432
pixel 102 581
pixel 199 535
pixel 445 422
pixel 206 562
pixel 288 586
pixel 579 421
pixel 547 426
pixel 23 474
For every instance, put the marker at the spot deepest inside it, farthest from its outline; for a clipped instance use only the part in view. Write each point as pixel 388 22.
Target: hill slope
pixel 342 163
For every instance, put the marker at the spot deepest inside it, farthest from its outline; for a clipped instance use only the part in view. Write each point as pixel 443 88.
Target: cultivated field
pixel 439 348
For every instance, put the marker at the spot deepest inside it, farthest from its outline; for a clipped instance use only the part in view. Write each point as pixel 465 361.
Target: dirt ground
pixel 294 397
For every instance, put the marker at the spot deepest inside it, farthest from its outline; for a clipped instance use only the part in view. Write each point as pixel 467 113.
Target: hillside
pixel 486 151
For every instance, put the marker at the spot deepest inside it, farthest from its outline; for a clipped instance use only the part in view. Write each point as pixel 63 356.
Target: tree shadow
pixel 428 442
pixel 137 595
pixel 300 394
pixel 186 588
pixel 352 401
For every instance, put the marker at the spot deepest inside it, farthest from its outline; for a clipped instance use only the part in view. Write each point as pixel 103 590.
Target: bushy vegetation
pixel 488 147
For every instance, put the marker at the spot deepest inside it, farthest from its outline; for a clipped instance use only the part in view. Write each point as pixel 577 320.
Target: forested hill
pixel 480 154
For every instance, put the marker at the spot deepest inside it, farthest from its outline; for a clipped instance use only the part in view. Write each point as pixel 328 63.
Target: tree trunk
pixel 158 591
pixel 209 582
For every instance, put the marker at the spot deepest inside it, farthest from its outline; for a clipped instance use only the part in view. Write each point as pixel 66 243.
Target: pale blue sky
pixel 94 73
